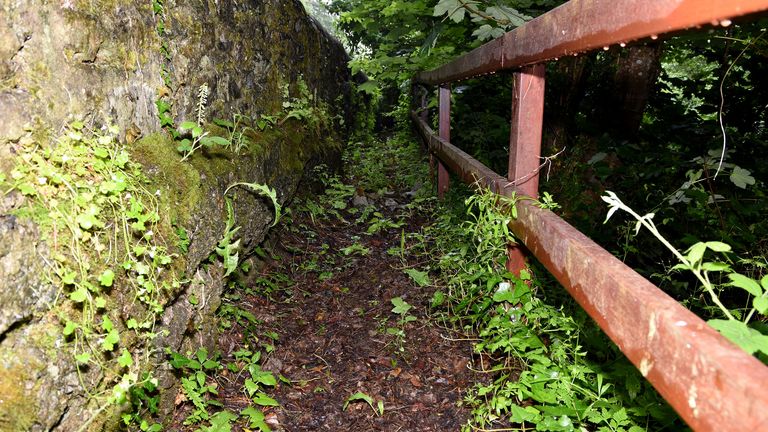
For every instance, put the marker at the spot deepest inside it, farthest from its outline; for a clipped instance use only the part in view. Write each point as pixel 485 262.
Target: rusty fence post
pixel 443 178
pixel 525 143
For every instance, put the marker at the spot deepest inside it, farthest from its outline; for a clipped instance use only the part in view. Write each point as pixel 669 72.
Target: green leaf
pixel 210 141
pixel 100 302
pixel 178 361
pixel 747 284
pixel 80 295
pixel 527 414
pixel 369 87
pixel 211 364
pixel 715 266
pixel 106 324
pixel 262 377
pixel 184 146
pixel 718 246
pixel 223 123
pixel 101 153
pixel 132 324
pixel 359 396
pixel 438 298
pixel 741 177
pixel 747 338
pixel 452 8
pixel 83 358
pixel 68 278
pixel 264 400
pixel 421 278
pixel 401 307
pixel 69 328
pixel 696 252
pixel 255 419
pixel 125 359
pixel 761 304
pixel 251 387
pixel 221 422
pixel 110 340
pixel 106 278
pixel 188 125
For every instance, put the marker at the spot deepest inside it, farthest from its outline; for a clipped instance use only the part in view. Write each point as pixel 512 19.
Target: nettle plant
pixel 736 325
pixel 91 202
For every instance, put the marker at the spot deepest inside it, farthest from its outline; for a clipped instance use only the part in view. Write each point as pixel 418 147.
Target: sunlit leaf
pixel 747 284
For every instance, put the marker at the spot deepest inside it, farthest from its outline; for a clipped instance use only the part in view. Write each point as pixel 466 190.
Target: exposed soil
pixel 332 319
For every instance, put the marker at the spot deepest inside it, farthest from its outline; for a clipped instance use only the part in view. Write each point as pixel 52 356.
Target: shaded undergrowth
pixel 376 307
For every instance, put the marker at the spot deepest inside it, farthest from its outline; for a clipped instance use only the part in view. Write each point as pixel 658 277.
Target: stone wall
pixel 102 61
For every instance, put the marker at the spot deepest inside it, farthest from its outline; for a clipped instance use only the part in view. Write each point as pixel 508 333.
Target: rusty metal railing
pixel 710 382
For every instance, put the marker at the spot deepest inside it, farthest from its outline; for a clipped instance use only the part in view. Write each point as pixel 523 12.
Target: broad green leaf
pixel 221 422
pixel 452 8
pixel 106 278
pixel 696 252
pixel 211 364
pixel 718 246
pixel 761 304
pixel 255 418
pixel 359 396
pixel 68 278
pixel 101 152
pixel 263 400
pixel 747 284
pixel 527 414
pixel 715 266
pixel 223 123
pixel 178 361
pixel 401 307
pixel 184 146
pixel 262 377
pixel 438 298
pixel 741 177
pixel 210 141
pixel 83 357
pixel 70 328
pixel 201 354
pixel 747 338
pixel 125 359
pixel 369 87
pixel 486 31
pixel 110 340
pixel 188 125
pixel 106 324
pixel 421 278
pixel 79 295
pixel 251 387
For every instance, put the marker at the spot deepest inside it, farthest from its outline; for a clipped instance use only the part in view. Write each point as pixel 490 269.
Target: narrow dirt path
pixel 334 340
pixel 324 317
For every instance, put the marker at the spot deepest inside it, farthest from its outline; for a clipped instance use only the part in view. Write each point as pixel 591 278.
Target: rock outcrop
pixel 101 62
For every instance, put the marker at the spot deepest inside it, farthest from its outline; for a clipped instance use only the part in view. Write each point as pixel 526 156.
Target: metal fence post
pixel 443 178
pixel 525 143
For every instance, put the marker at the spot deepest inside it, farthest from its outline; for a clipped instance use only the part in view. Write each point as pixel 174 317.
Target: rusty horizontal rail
pixel 584 25
pixel 711 383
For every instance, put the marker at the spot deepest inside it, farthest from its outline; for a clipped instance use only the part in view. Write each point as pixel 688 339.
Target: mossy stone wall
pixel 96 60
